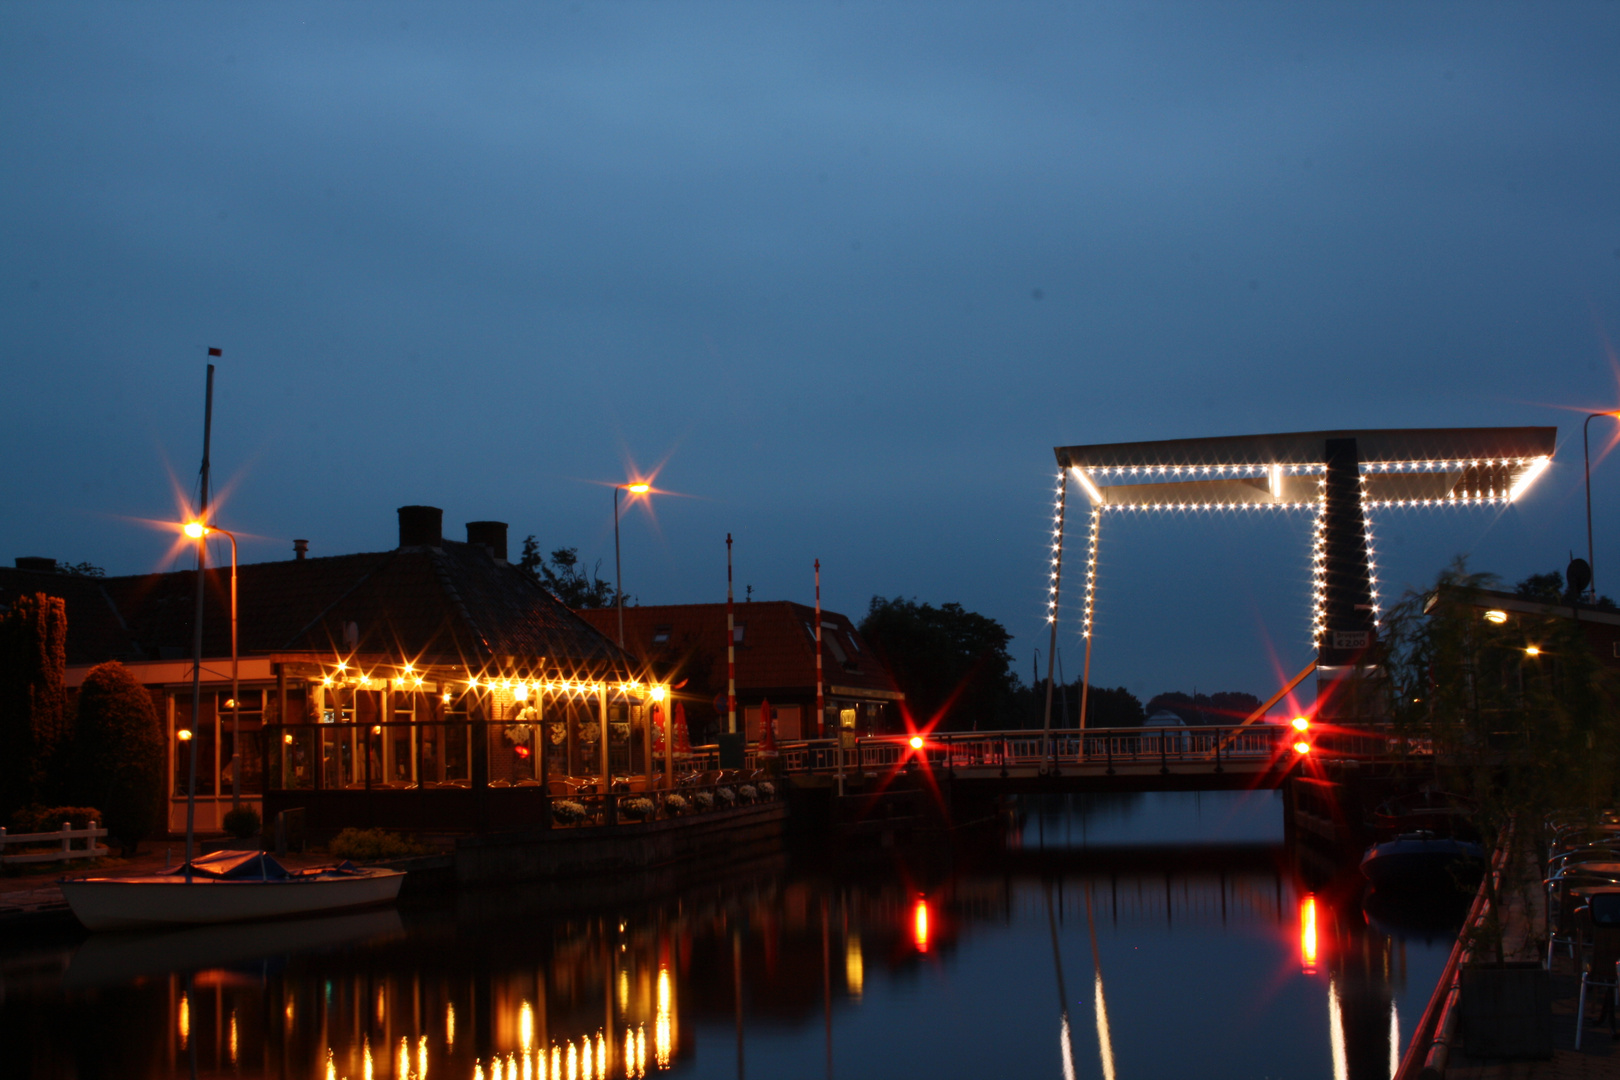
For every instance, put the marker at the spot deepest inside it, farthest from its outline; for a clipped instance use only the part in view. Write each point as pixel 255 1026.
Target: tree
pixel 33 653
pixel 1522 731
pixel 1550 589
pixel 949 662
pixel 566 579
pixel 118 753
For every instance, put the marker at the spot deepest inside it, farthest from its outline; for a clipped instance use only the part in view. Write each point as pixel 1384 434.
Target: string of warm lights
pixel 1319 574
pixel 1091 570
pixel 518 688
pixel 1450 465
pixel 1054 575
pixel 1372 557
pixel 1208 506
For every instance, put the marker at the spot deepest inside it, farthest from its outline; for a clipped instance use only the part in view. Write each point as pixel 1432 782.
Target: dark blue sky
pixel 850 272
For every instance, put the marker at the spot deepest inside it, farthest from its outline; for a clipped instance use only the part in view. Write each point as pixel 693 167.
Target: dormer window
pixel 661 635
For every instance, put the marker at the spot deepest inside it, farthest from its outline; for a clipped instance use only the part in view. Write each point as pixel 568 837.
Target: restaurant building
pixel 432 687
pixel 685 646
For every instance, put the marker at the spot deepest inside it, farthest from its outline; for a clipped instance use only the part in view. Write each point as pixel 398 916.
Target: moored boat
pixel 227 886
pixel 1421 861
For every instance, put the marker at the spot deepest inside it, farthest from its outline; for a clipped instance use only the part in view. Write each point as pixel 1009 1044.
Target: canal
pixel 1128 936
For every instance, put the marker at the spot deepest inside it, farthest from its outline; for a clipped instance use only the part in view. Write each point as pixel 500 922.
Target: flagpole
pixel 197 627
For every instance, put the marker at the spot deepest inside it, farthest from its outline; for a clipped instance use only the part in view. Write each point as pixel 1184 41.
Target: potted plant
pixel 567 811
pixel 675 804
pixel 639 807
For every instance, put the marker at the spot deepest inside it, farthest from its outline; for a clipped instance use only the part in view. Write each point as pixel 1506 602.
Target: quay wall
pixel 536 854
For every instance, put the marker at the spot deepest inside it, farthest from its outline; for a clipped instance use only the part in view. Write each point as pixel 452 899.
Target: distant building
pixel 776 661
pixel 434 686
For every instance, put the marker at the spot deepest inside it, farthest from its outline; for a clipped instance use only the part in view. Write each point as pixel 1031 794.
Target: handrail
pixel 66 834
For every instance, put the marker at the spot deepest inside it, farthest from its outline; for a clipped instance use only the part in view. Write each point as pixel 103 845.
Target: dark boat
pixel 1439 812
pixel 1420 862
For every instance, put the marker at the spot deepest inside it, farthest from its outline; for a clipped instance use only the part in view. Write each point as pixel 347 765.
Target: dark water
pixel 1146 936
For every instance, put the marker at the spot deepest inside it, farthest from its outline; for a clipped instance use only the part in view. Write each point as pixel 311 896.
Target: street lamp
pixel 1586 458
pixel 197 530
pixel 618 574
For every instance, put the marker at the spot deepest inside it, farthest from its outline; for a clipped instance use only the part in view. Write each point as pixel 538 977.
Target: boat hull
pixel 135 903
pixel 1428 865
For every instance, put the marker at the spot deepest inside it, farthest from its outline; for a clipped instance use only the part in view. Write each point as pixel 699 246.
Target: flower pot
pixel 1507 1010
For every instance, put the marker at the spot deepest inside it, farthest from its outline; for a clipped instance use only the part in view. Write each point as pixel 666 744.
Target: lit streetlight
pixel 197 531
pixel 1586 458
pixel 637 488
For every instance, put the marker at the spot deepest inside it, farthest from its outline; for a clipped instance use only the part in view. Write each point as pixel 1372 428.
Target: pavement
pixel 1599 1055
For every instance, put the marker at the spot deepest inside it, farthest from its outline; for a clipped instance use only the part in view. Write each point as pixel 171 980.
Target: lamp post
pixel 1586 458
pixel 197 531
pixel 618 576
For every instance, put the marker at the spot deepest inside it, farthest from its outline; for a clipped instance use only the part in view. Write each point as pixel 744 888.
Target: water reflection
pixel 768 970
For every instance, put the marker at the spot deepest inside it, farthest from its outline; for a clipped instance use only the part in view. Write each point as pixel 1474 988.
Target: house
pixel 776 662
pixel 431 686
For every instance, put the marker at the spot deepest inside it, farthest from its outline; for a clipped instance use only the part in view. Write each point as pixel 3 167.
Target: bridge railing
pixel 1250 746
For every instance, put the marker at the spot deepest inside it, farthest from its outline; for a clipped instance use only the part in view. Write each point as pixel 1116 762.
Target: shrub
pixel 705 799
pixel 767 789
pixel 748 793
pixel 367 844
pixel 639 807
pixel 117 758
pixel 242 822
pixel 37 818
pixel 676 803
pixel 567 811
pixel 726 795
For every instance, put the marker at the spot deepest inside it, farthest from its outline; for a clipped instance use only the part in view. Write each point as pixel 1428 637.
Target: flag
pixel 216 352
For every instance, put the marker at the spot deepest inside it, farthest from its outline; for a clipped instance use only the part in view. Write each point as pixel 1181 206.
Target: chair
pixel 1602 912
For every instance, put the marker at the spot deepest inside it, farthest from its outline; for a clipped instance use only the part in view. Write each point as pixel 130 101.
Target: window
pixel 737 632
pixel 661 635
pixel 831 641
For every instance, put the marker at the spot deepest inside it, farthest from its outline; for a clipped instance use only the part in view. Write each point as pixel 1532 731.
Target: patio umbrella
pixel 683 741
pixel 767 729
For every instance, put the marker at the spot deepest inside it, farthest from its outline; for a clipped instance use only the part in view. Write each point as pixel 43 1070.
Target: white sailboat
pixel 227 886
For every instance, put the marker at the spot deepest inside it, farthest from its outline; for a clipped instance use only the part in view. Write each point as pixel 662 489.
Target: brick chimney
pixel 421 526
pixel 300 549
pixel 41 565
pixel 491 534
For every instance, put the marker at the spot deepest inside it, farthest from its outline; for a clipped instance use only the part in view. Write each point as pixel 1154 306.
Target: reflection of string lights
pixel 661 1024
pixel 1105 1039
pixel 233 1036
pixel 1341 1061
pixel 185 1020
pixel 450 1025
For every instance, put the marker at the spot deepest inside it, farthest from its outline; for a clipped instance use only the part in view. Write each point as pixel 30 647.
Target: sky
pixel 842 274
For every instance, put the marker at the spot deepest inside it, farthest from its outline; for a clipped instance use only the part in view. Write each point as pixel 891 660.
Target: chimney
pixel 300 549
pixel 421 526
pixel 41 565
pixel 491 534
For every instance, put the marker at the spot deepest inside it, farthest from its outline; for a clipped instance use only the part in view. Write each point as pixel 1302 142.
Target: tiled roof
pixel 777 651
pixel 453 604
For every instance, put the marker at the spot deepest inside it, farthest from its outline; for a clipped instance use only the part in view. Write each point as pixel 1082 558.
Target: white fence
pixel 65 835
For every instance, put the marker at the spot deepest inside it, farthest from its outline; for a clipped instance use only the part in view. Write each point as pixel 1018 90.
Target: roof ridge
pixel 439 558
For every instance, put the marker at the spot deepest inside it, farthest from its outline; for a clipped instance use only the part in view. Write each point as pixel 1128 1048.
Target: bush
pixel 675 803
pixel 242 822
pixel 639 807
pixel 117 757
pixel 767 789
pixel 705 799
pixel 37 818
pixel 748 793
pixel 369 844
pixel 726 795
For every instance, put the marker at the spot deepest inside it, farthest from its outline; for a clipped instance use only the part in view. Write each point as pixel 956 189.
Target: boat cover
pixel 235 866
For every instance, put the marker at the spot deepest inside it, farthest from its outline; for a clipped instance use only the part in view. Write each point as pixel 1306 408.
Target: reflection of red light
pixel 919 929
pixel 521 751
pixel 1307 934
